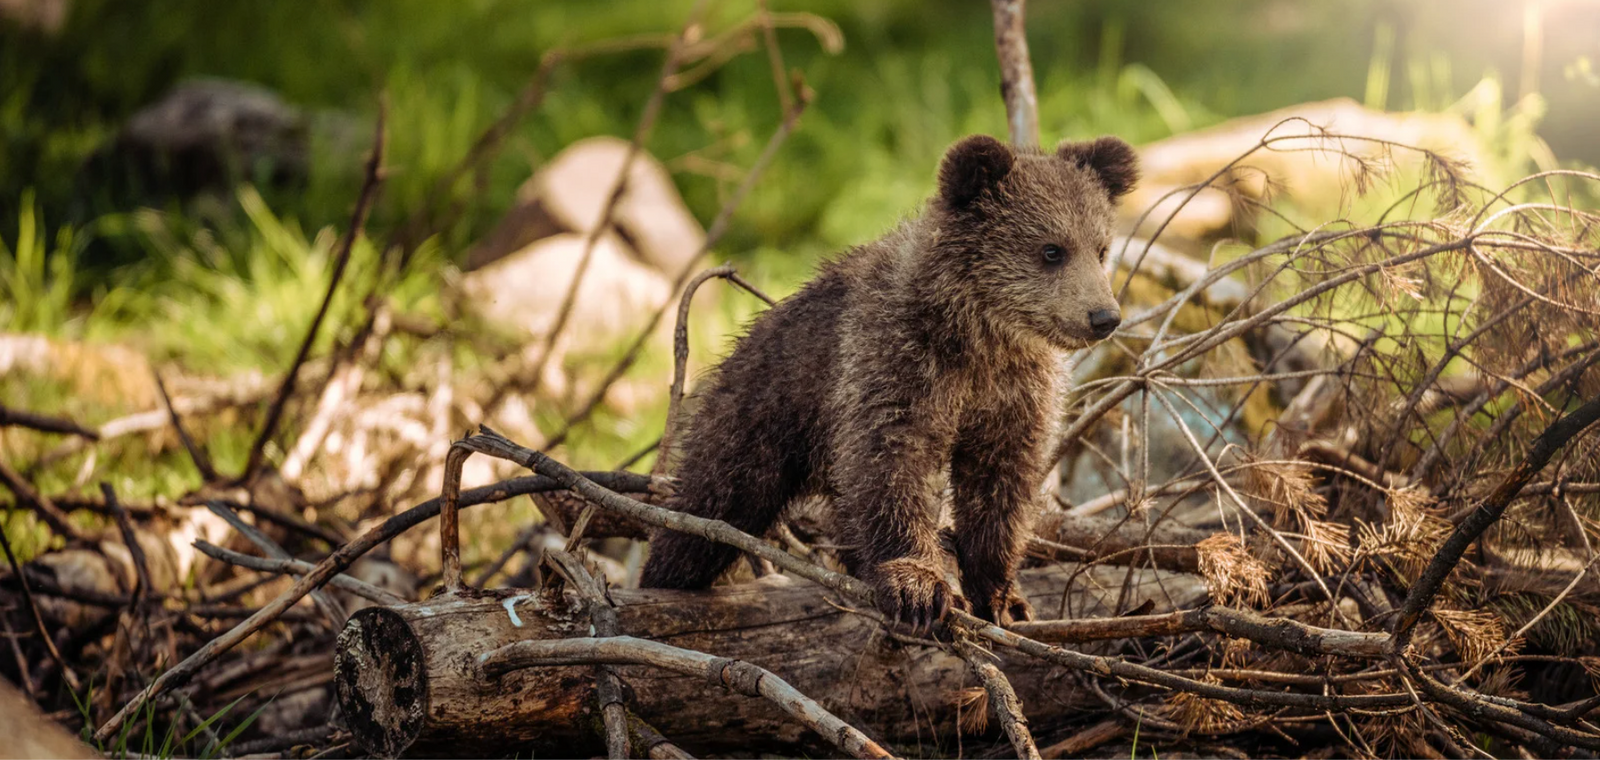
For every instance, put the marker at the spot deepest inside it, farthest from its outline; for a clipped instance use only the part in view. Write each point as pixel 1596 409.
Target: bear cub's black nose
pixel 1103 322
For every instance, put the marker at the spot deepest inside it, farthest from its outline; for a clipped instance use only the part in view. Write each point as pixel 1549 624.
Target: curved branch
pixel 735 675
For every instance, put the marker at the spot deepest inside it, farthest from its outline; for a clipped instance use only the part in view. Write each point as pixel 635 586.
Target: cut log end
pixel 381 680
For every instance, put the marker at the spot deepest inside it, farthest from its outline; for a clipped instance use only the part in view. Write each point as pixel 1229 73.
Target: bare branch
pixel 130 538
pixel 647 122
pixel 1016 72
pixel 1002 698
pixel 44 423
pixel 358 223
pixel 330 607
pixel 38 620
pixel 202 462
pixel 299 567
pixel 735 675
pixel 42 505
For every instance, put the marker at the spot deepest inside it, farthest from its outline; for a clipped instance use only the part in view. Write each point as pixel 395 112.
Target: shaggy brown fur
pixel 940 345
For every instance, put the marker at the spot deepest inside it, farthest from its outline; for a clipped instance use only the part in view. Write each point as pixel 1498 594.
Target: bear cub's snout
pixel 1104 322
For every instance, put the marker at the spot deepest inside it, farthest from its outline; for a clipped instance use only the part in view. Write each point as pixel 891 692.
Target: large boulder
pixel 1320 154
pixel 524 290
pixel 47 16
pixel 520 274
pixel 570 193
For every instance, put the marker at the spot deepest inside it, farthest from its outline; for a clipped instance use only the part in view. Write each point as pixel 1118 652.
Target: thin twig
pixel 23 674
pixel 285 520
pixel 358 223
pixel 1487 513
pixel 343 380
pixel 144 590
pixel 44 423
pixel 1527 626
pixel 41 505
pixel 1002 698
pixel 300 567
pixel 656 746
pixel 1277 632
pixel 523 540
pixel 250 392
pixel 202 462
pixel 38 620
pixel 419 226
pixel 769 35
pixel 1485 707
pixel 603 618
pixel 327 604
pixel 1227 331
pixel 619 186
pixel 680 363
pixel 1245 510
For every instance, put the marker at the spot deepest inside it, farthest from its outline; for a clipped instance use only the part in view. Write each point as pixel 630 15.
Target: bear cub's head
pixel 1029 231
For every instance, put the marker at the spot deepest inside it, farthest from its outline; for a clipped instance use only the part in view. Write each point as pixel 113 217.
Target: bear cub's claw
pixel 662 489
pixel 913 592
pixel 1005 607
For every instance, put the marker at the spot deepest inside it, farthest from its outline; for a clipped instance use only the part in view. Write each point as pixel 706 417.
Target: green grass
pixel 155 743
pixel 227 284
pixel 912 75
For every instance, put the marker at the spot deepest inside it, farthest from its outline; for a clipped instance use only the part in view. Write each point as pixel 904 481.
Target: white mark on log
pixel 510 605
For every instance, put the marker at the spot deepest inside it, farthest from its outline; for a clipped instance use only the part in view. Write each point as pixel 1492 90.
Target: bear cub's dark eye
pixel 1054 254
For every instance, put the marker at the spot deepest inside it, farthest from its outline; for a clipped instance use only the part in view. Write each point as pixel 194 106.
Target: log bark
pixel 409 682
pixel 1169 546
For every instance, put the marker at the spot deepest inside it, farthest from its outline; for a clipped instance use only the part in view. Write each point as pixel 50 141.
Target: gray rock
pixel 207 134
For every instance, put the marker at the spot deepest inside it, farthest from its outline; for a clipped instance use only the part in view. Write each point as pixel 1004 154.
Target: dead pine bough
pixel 1334 489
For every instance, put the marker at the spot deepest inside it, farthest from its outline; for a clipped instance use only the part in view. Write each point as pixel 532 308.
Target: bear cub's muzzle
pixel 1103 322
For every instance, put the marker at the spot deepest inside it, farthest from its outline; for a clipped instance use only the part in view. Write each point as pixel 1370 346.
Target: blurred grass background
pixel 913 75
pixel 219 287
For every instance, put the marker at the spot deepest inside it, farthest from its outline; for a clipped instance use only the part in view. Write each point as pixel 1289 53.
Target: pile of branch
pixel 1347 497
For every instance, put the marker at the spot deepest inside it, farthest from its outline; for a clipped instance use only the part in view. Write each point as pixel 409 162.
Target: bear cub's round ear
pixel 971 167
pixel 1111 159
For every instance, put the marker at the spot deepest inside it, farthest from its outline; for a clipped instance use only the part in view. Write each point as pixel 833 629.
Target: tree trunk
pixel 408 681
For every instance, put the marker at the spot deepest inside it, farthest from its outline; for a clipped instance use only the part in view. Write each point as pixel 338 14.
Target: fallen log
pixel 1168 545
pixel 409 679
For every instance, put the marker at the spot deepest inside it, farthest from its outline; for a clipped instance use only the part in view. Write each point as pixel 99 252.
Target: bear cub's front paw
pixel 662 489
pixel 1004 607
pixel 913 591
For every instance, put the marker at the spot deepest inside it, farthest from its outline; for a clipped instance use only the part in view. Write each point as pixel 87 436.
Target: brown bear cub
pixel 940 345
